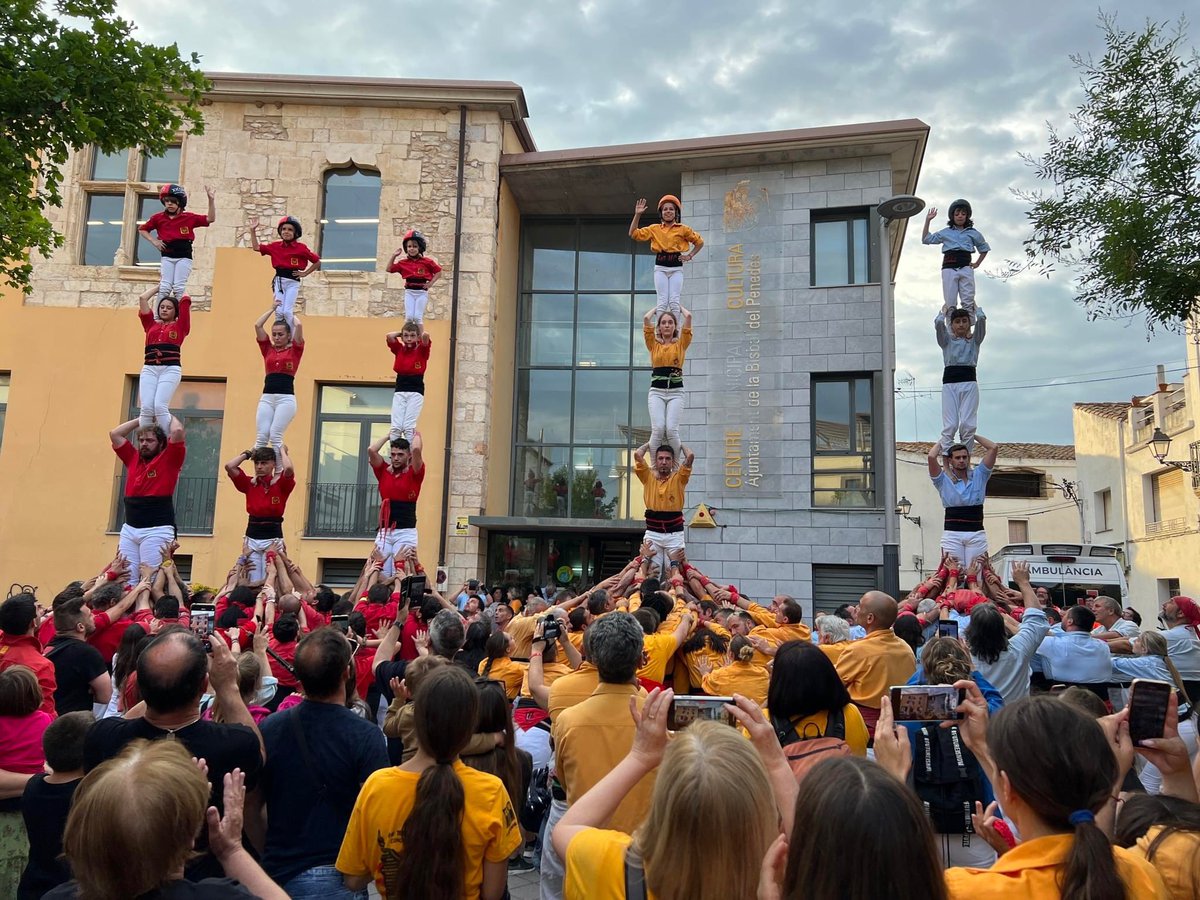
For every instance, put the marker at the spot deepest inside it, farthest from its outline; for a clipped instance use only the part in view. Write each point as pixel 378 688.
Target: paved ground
pixel 523 885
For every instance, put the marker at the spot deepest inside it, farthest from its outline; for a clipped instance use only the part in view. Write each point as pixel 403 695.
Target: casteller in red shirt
pixel 177 231
pixel 288 257
pixel 25 650
pixel 266 500
pixel 150 483
pixel 281 366
pixel 164 340
pixel 410 363
pixel 399 492
pixel 417 271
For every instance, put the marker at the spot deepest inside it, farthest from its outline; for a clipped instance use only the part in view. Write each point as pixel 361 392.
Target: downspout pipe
pixel 452 356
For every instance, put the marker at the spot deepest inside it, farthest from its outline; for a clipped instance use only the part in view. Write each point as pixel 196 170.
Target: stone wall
pixel 771 535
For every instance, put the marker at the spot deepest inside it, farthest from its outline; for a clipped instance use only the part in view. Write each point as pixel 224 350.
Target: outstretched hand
pixel 225 832
pixel 650 737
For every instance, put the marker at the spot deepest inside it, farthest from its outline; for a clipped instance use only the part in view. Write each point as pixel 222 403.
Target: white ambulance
pixel 1071 572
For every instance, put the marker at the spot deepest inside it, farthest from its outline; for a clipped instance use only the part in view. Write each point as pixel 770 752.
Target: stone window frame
pixel 132 189
pixel 331 166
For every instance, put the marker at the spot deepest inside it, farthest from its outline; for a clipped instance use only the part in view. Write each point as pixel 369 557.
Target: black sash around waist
pixel 149 512
pixel 279 383
pixel 671 260
pixel 664 521
pixel 162 354
pixel 964 518
pixel 416 283
pixel 262 528
pixel 666 377
pixel 410 384
pixel 400 513
pixel 958 374
pixel 289 274
pixel 179 248
pixel 956 259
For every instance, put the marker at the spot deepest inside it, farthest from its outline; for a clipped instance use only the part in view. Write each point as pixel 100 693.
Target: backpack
pixel 948 780
pixel 803 751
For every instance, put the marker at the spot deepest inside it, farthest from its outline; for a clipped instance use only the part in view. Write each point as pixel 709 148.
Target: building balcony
pixel 1166 526
pixel 342 510
pixel 195 500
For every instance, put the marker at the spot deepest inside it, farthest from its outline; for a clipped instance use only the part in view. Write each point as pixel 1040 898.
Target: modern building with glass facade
pixel 536 392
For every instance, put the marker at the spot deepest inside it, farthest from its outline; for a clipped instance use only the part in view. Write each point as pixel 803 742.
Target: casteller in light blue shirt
pixel 963 493
pixel 958 351
pixel 1076 658
pixel 952 238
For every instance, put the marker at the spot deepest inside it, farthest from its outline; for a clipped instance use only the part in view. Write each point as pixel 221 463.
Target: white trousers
pixel 286 291
pixel 664 544
pixel 172 277
pixel 275 414
pixel 415 303
pixel 665 405
pixel 391 541
pixel 143 545
pixel 960 412
pixel 156 387
pixel 977 854
pixel 959 284
pixel 406 409
pixel 965 545
pixel 256 550
pixel 668 284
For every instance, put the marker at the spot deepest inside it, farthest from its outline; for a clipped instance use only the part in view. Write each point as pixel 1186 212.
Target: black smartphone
pixel 688 708
pixel 341 623
pixel 203 615
pixel 412 588
pixel 948 628
pixel 925 702
pixel 1148 701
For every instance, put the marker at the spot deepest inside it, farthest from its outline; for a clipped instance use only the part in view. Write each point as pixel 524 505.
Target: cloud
pixel 985 78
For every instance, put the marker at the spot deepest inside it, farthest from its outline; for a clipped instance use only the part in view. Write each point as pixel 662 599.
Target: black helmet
pixel 289 220
pixel 413 235
pixel 173 192
pixel 960 204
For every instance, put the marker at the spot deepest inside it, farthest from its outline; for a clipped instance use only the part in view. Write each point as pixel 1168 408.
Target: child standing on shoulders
pixel 673 245
pixel 288 256
pixel 959 242
pixel 176 230
pixel 960 389
pixel 411 347
pixel 419 271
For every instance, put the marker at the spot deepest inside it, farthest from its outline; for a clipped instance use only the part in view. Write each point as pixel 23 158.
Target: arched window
pixel 350 222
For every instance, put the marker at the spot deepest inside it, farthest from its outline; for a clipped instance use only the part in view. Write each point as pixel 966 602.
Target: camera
pixel 551 627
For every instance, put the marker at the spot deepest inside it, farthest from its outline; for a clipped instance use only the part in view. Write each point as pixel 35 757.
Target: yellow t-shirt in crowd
pixel 551 672
pixel 1032 869
pixel 662 494
pixel 870 666
pixel 1174 859
pixel 572 689
pixel 659 649
pixel 834 651
pixel 671 354
pixel 372 843
pixel 511 672
pixel 745 678
pixel 776 635
pixel 520 629
pixel 673 238
pixel 595 866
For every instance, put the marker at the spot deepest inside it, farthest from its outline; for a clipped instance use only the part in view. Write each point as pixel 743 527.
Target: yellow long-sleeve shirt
pixel 670 355
pixel 662 494
pixel 743 678
pixel 673 238
pixel 870 666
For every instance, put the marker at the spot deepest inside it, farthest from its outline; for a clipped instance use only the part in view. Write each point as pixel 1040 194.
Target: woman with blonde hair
pixel 159 797
pixel 711 781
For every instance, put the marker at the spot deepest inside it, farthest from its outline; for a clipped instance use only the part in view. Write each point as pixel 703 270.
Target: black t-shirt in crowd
pixel 208 889
pixel 303 829
pixel 45 807
pixel 76 663
pixel 224 747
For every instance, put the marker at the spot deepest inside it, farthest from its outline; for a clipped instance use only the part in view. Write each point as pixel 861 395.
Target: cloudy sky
pixel 985 77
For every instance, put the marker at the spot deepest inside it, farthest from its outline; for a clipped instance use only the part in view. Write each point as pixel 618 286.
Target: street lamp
pixel 1160 446
pixel 893 209
pixel 904 507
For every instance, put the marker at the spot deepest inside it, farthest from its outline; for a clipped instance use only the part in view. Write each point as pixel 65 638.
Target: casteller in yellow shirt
pixel 868 667
pixel 372 842
pixel 595 866
pixel 746 678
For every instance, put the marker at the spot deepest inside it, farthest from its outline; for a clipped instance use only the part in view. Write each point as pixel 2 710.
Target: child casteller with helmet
pixel 673 245
pixel 288 256
pixel 176 230
pixel 419 271
pixel 959 242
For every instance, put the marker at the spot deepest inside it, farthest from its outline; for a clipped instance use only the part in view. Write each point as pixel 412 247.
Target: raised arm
pixel 285 462
pixel 980 326
pixel 297 331
pixel 176 434
pixel 373 451
pixel 252 224
pixel 638 209
pixel 121 433
pixel 688 456
pixel 234 466
pixel 639 455
pixel 687 317
pixel 415 448
pixel 928 218
pixel 212 205
pixel 991 450
pixel 260 332
pixel 387 645
pixel 939 329
pixel 934 459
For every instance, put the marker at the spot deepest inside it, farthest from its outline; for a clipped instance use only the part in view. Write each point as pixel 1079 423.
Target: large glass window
pixel 110 235
pixel 582 372
pixel 350 222
pixel 200 406
pixel 343 494
pixel 841 248
pixel 843 441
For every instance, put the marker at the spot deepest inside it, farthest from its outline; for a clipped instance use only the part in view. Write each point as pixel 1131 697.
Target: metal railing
pixel 343 510
pixel 195 501
pixel 1166 526
pixel 1175 412
pixel 1143 425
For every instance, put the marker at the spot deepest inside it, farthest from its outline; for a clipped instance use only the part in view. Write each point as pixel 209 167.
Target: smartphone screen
pixel 925 702
pixel 1148 700
pixel 948 628
pixel 688 708
pixel 202 619
pixel 413 588
pixel 341 623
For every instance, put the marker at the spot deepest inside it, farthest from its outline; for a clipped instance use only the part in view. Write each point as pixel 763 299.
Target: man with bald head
pixel 870 666
pixel 173 674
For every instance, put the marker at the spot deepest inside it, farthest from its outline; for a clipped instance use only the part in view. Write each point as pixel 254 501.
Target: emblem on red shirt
pixel 288 366
pixel 183 229
pixel 274 501
pixel 150 473
pixel 416 365
pixel 295 262
pixel 412 495
pixel 173 335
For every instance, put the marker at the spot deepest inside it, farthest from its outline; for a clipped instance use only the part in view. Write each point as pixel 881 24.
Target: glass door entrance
pixel 575 561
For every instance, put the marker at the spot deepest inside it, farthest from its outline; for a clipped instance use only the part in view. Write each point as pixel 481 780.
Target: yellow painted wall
pixel 70 368
pixel 504 344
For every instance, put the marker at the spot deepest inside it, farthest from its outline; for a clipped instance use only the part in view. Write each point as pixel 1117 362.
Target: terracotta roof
pixel 1007 451
pixel 1106 410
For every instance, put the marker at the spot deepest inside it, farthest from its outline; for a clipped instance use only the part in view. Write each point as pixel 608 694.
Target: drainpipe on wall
pixel 1124 495
pixel 452 356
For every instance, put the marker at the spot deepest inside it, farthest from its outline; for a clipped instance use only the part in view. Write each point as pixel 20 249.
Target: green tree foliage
pixel 1124 210
pixel 68 79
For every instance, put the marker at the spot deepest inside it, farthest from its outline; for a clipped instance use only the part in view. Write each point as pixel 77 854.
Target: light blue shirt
pixel 1076 657
pixel 1010 672
pixel 1184 649
pixel 857 632
pixel 960 351
pixel 963 493
pixel 957 239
